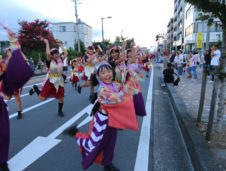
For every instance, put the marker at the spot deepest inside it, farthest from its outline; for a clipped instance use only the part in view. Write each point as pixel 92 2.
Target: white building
pixel 67 33
pixel 170 35
pixel 192 26
pixel 178 24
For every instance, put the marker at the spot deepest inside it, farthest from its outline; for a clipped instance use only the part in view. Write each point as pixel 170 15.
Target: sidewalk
pixel 189 91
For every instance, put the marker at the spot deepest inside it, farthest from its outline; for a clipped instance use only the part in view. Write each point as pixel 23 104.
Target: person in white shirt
pixel 65 68
pixel 180 63
pixel 215 58
pixel 176 60
pixel 216 54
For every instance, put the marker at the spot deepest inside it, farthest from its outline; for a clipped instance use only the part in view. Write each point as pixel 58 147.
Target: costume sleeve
pixel 107 96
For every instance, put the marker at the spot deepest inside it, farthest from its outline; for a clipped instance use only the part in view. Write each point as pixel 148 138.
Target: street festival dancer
pixel 90 60
pixel 15 75
pixel 53 85
pixel 74 78
pixel 16 94
pixel 111 112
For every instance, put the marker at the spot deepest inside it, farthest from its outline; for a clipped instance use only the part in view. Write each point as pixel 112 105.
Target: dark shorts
pixel 65 68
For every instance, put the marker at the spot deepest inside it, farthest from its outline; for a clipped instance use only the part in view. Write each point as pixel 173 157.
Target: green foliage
pixel 128 42
pixel 206 17
pixel 104 45
pixel 82 47
pixel 34 55
pixel 117 41
pixel 217 9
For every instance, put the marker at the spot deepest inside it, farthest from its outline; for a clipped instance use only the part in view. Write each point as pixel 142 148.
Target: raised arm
pixel 133 51
pixel 48 57
pixel 59 43
pixel 123 54
pixel 103 58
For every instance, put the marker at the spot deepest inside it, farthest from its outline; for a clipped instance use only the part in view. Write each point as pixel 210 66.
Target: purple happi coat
pixel 4 131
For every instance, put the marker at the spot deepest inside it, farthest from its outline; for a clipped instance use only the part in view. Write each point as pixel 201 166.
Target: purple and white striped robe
pixel 99 144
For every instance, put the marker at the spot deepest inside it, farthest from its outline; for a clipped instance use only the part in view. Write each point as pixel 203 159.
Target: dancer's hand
pixel 132 44
pixel 44 40
pixel 59 43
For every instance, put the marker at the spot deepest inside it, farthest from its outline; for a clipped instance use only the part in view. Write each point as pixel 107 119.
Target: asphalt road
pixel 37 142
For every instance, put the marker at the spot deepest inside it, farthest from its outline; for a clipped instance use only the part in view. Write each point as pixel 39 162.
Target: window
pixel 188 12
pixel 179 36
pixel 189 30
pixel 62 28
pixel 202 27
pixel 199 27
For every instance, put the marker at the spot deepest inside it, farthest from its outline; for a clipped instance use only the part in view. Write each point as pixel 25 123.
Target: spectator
pixel 207 57
pixel 168 75
pixel 180 63
pixel 39 63
pixel 194 60
pixel 176 60
pixel 189 66
pixel 172 57
pixel 31 63
pixel 215 58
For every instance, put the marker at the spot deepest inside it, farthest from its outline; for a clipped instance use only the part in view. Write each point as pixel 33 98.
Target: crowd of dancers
pixel 117 102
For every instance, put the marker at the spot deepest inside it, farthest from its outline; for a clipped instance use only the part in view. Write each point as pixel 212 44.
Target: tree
pixel 30 34
pixel 117 41
pixel 104 45
pixel 215 9
pixel 82 47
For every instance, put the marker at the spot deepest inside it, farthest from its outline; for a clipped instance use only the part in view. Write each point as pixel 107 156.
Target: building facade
pixel 170 35
pixel 192 27
pixel 67 33
pixel 178 24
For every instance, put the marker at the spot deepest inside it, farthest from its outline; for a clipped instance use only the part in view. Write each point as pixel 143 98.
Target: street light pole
pixel 102 26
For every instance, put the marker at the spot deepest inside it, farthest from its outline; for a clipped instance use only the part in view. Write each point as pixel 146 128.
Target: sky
pixel 141 20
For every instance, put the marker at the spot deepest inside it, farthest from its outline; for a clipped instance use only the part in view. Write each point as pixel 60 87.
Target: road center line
pixel 32 107
pixel 41 145
pixel 143 147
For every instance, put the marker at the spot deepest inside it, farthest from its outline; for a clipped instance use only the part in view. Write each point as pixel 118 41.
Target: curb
pixel 200 154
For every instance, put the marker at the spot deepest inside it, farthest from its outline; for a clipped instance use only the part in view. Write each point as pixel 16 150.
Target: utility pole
pixel 102 26
pixel 77 27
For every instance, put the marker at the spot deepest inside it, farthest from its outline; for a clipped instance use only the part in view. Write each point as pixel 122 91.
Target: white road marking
pixel 38 147
pixel 29 86
pixel 23 95
pixel 143 147
pixel 32 107
pixel 70 122
pixel 85 121
pixel 41 145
